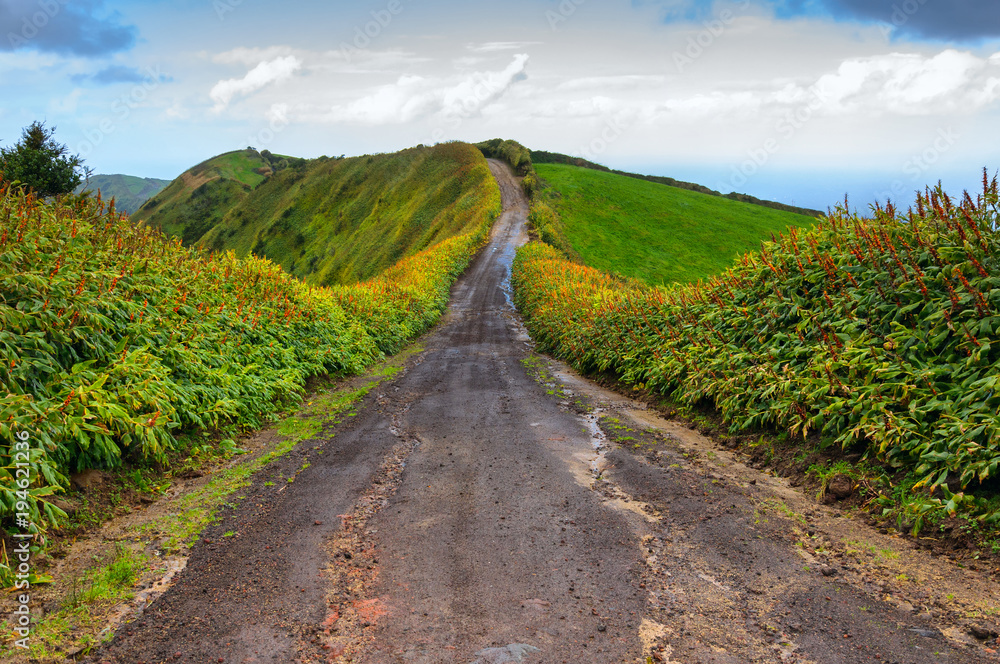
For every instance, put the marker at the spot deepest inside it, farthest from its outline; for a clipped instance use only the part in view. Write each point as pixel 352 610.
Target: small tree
pixel 40 163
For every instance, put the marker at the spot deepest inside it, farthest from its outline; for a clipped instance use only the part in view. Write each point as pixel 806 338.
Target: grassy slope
pixel 329 221
pixel 543 157
pixel 198 199
pixel 129 191
pixel 653 232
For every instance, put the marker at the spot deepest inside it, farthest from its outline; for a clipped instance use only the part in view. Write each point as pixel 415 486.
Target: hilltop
pixel 325 220
pixel 129 191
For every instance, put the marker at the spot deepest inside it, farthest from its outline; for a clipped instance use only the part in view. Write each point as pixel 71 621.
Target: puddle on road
pixel 587 468
pixel 506 260
pixel 599 441
pixel 506 242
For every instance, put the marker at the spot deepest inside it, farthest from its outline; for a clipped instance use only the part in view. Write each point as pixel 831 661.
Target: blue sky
pixel 796 100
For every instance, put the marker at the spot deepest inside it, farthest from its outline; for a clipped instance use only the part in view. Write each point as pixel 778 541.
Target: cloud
pixel 251 56
pixel 413 97
pixel 950 20
pixel 264 74
pixel 910 84
pixel 958 20
pixel 949 83
pixel 359 61
pixel 904 84
pixel 59 26
pixel 492 47
pixel 120 74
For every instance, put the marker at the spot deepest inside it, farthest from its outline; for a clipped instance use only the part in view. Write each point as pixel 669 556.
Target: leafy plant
pixel 868 478
pixel 881 334
pixel 114 339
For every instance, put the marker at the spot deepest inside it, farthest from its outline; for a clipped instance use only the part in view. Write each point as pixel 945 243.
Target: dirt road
pixel 465 515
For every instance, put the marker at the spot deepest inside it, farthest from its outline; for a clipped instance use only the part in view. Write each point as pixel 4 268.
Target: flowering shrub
pixel 881 333
pixel 113 338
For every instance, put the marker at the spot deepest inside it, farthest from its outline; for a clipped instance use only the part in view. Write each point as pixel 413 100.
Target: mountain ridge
pixel 129 191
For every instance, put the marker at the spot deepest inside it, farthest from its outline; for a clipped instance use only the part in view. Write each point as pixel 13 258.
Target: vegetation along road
pixel 486 505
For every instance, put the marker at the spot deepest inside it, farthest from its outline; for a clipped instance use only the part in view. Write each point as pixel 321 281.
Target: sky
pixel 800 101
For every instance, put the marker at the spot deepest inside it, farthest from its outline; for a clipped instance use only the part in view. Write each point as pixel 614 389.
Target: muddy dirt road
pixel 465 515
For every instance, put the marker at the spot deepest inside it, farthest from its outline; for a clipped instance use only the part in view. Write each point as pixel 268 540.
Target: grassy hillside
pixel 328 221
pixel 115 339
pixel 542 157
pixel 198 199
pixel 129 191
pixel 650 231
pixel 880 335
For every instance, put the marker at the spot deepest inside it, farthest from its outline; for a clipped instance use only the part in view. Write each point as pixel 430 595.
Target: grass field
pixel 653 232
pixel 327 221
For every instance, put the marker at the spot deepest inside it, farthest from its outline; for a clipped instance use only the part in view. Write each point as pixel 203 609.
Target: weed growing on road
pixel 90 595
pixel 867 480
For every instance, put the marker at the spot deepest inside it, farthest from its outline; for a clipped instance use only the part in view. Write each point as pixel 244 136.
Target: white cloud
pixel 898 84
pixel 491 47
pixel 911 84
pixel 251 56
pixel 626 81
pixel 178 111
pixel 412 97
pixel 265 73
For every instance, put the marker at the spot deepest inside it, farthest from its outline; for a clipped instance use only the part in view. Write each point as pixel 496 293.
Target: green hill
pixel 129 191
pixel 328 221
pixel 646 230
pixel 543 157
pixel 198 199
